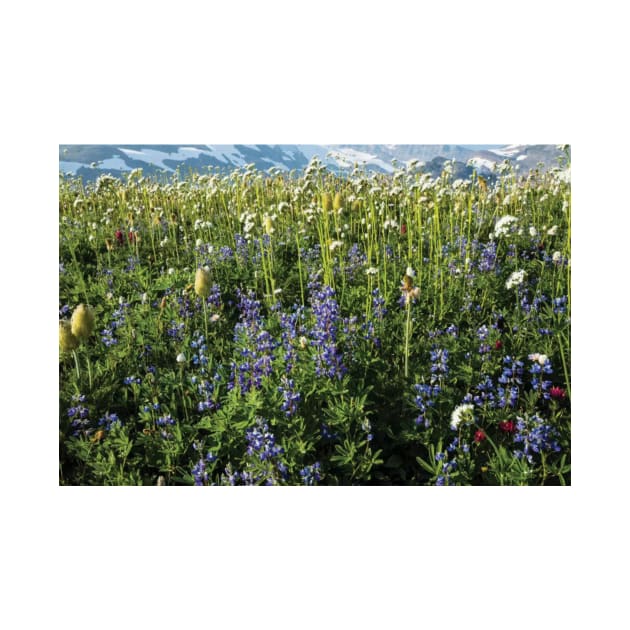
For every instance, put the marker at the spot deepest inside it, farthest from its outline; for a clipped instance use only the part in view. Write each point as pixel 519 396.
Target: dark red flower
pixel 119 237
pixel 479 436
pixel 557 393
pixel 508 426
pixel 131 236
pixel 498 344
pixel 403 229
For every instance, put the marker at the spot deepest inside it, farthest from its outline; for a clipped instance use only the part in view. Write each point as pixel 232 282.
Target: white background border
pixel 326 72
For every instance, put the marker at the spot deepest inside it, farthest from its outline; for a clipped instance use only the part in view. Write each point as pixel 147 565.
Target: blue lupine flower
pixel 535 436
pixel 108 420
pixel 311 474
pixel 328 359
pixel 290 397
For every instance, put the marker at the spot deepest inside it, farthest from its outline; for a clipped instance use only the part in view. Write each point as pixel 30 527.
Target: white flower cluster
pixel 247 219
pixel 503 225
pixel 199 224
pixel 390 224
pixel 541 359
pixel 463 413
pixel 516 279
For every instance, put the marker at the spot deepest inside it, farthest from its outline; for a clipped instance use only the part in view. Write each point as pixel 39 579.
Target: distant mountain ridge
pixel 90 161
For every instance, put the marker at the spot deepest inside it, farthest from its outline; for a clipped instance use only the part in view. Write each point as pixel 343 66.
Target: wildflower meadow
pixel 316 328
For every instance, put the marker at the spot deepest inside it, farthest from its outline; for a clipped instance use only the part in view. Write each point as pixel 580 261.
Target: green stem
pixel 76 365
pixel 205 316
pixel 407 335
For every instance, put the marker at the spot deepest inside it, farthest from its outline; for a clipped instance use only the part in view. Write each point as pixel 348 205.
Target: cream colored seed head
pixel 202 283
pixel 67 341
pixel 82 321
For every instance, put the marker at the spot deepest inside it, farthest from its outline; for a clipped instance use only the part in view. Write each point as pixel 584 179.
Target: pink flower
pixel 557 393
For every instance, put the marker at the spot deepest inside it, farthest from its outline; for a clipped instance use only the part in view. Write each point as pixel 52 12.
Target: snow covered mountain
pixel 90 161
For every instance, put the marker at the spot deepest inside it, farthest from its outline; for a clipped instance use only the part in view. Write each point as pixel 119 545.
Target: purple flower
pixel 328 358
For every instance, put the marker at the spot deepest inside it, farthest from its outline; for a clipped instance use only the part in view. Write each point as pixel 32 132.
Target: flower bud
pixel 202 283
pixel 67 341
pixel 82 321
pixel 337 201
pixel 326 201
pixel 268 224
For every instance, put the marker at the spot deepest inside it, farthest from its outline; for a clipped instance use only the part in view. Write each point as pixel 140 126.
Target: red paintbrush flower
pixel 557 393
pixel 131 236
pixel 507 425
pixel 498 344
pixel 403 229
pixel 479 436
pixel 119 237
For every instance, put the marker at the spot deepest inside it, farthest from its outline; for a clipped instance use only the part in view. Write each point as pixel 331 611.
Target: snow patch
pixel 114 164
pixel 226 153
pixel 347 157
pixel 151 156
pixel 508 151
pixel 482 163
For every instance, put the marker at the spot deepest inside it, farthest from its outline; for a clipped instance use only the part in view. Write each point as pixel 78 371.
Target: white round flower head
pixel 516 279
pixel 502 226
pixel 463 413
pixel 552 230
pixel 532 231
pixel 144 299
pixel 557 257
pixel 410 272
pixel 181 358
pixel 538 358
pixel 371 271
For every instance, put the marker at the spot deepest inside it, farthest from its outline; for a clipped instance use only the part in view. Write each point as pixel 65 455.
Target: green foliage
pixel 203 393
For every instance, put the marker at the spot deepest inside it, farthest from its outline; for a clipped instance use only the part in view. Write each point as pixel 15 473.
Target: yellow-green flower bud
pixel 337 201
pixel 268 224
pixel 82 321
pixel 202 283
pixel 326 202
pixel 67 341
